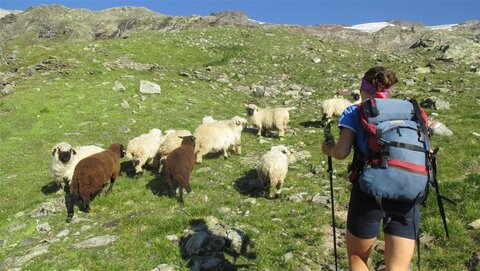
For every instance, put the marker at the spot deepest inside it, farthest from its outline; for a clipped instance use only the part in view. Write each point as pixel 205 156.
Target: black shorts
pixel 364 215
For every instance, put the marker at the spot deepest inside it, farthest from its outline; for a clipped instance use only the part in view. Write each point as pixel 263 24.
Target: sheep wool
pixel 334 107
pixel 273 169
pixel 178 166
pixel 143 149
pixel 267 119
pixel 219 136
pixel 65 158
pixel 92 173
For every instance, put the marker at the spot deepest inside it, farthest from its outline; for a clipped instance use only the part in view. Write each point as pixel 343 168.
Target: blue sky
pixel 303 12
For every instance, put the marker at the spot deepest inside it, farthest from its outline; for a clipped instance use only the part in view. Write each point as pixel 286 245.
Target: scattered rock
pixel 287 257
pixel 320 199
pixel 435 103
pixel 63 233
pixel 172 238
pixel 45 227
pixel 164 267
pixel 85 228
pixel 123 129
pixel 476 134
pixel 440 90
pixel 475 224
pixel 148 87
pixel 16 227
pixel 439 128
pixel 96 241
pixel 204 170
pixel 118 86
pixel 316 60
pixel 421 70
pixel 298 197
pixel 473 262
pixel 34 252
pixel 125 104
pixel 7 89
pixel 298 156
pixel 426 240
pixel 49 207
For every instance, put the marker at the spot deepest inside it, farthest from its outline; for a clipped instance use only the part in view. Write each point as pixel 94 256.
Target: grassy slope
pixel 49 108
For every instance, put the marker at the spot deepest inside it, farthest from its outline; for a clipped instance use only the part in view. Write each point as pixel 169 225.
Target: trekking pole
pixel 330 140
pixel 437 191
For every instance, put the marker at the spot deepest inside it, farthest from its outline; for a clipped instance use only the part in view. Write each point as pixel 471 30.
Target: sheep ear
pixel 54 151
pixel 181 137
pixel 285 151
pixel 73 151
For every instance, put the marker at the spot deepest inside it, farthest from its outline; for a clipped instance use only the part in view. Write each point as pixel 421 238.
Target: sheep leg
pixel 86 202
pixel 259 130
pixel 278 188
pixel 180 190
pixel 238 148
pixel 69 202
pixel 281 133
pixel 198 157
pixel 225 154
pixel 112 181
pixel 138 167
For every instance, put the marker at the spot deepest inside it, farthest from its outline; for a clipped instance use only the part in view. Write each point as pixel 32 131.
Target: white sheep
pixel 334 107
pixel 219 136
pixel 207 120
pixel 273 168
pixel 269 118
pixel 65 158
pixel 143 150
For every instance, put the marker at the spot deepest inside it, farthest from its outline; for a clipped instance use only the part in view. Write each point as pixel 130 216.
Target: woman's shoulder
pixel 352 109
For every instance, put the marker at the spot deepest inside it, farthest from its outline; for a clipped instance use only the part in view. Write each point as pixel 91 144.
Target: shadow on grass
pixel 50 188
pixel 249 185
pixel 207 249
pixel 313 123
pixel 158 186
pixel 264 133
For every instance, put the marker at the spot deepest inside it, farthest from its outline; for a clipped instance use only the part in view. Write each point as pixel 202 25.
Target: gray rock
pixel 172 238
pixel 45 227
pixel 476 134
pixel 16 227
pixel 148 87
pixel 422 70
pixel 440 129
pixel 475 224
pixel 316 60
pixel 440 90
pixel 34 252
pixel 96 241
pixel 243 89
pixel 123 129
pixel 164 267
pixel 195 242
pixel 7 89
pixel 298 156
pixel 237 238
pixel 287 257
pixel 204 170
pixel 118 86
pixel 125 104
pixel 298 197
pixel 85 228
pixel 63 233
pixel 320 199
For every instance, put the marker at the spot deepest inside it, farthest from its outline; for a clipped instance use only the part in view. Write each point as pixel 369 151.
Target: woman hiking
pixel 364 212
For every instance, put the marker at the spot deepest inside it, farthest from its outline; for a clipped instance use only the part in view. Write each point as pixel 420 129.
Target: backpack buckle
pixel 384 156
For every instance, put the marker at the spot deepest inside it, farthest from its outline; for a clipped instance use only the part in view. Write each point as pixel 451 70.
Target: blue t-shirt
pixel 350 119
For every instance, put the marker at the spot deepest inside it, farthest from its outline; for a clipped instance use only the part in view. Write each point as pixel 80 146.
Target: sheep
pixel 65 158
pixel 143 150
pixel 268 118
pixel 92 173
pixel 171 140
pixel 218 136
pixel 334 107
pixel 273 168
pixel 178 166
pixel 207 120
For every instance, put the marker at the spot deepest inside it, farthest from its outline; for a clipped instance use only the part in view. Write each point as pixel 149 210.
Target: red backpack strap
pixel 369 128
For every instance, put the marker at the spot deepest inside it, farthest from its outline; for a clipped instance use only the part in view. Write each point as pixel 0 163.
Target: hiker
pixel 365 212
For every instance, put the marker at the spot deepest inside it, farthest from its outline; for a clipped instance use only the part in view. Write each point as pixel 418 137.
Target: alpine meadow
pixel 74 75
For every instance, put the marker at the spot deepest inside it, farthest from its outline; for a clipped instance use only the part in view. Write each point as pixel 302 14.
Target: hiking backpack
pixel 396 165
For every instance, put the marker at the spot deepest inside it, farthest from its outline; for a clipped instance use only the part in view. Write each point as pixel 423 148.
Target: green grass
pixel 77 105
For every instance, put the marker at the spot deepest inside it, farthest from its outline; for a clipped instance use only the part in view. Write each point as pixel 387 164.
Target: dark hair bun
pixel 380 77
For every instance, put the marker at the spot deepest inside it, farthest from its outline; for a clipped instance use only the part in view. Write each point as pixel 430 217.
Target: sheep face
pixel 64 152
pixel 122 151
pixel 239 121
pixel 355 95
pixel 251 108
pixel 282 149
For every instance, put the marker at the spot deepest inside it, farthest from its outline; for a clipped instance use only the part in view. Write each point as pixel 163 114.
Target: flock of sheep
pixel 84 171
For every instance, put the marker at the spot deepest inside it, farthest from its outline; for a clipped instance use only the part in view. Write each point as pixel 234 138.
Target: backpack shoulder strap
pixel 420 116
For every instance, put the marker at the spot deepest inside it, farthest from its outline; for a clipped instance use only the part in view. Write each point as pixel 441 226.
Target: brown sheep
pixel 178 166
pixel 92 173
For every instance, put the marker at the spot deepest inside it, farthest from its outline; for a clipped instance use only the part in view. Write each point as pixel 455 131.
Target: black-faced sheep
pixel 334 107
pixel 178 166
pixel 143 150
pixel 219 136
pixel 92 173
pixel 273 168
pixel 65 158
pixel 267 119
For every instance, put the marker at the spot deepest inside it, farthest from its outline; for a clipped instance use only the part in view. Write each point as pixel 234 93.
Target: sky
pixel 300 12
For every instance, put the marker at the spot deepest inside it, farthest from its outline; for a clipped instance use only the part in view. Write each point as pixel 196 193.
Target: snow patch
pixel 442 27
pixel 370 27
pixel 254 21
pixel 5 12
